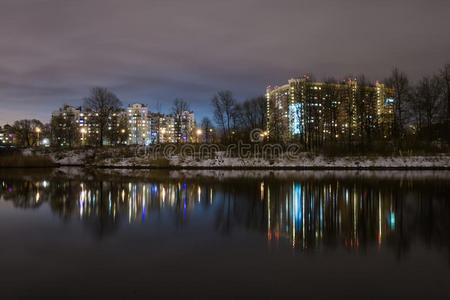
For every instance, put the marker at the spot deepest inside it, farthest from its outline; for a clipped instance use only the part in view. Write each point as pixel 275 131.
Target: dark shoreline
pixel 232 168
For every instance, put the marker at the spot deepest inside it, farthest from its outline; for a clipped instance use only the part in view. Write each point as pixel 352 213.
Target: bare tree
pixel 208 130
pixel 64 129
pixel 224 112
pixel 254 112
pixel 416 111
pixel 26 132
pixel 400 83
pixel 117 132
pixel 104 104
pixel 179 106
pixel 429 91
pixel 445 75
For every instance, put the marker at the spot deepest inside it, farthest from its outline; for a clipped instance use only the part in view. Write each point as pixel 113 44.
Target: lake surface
pixel 116 234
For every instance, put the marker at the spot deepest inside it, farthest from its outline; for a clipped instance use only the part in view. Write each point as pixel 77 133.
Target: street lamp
pixel 83 133
pixel 198 132
pixel 38 131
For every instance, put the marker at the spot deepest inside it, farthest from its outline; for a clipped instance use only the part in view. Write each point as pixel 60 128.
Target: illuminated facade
pixel 72 126
pixel 319 111
pixel 167 129
pixel 184 127
pixel 172 129
pixel 65 123
pixel 138 124
pixel 6 137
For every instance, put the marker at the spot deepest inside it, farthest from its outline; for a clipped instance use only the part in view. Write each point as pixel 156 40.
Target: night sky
pixel 53 51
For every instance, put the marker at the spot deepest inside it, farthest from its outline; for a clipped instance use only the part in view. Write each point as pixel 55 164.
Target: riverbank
pixel 126 159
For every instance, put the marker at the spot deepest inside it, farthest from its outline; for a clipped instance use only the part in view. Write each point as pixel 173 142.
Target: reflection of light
pixel 269 233
pixel 163 194
pixel 379 221
pixel 38 196
pixel 298 209
pixel 262 190
pixel 45 184
pixel 392 220
pixel 82 200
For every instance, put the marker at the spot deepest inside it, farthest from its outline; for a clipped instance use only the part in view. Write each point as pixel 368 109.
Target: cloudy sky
pixel 152 51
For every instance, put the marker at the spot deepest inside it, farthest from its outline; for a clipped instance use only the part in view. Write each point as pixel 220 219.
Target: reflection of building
pixel 309 214
pixel 319 111
pixel 137 201
pixel 306 213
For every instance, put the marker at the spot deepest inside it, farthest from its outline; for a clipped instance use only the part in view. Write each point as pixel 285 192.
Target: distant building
pixel 64 126
pixel 6 136
pixel 138 124
pixel 155 120
pixel 184 125
pixel 316 111
pixel 72 126
pixel 172 128
pixel 167 129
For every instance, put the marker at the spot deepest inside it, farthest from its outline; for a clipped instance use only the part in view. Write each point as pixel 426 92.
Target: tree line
pixel 421 118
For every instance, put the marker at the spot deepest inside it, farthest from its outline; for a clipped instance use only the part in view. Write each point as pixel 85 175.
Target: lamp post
pixel 38 131
pixel 83 135
pixel 122 136
pixel 163 134
pixel 198 132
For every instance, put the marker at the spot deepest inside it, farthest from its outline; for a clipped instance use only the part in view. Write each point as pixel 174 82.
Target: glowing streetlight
pixel 263 135
pixel 46 142
pixel 83 133
pixel 38 132
pixel 198 132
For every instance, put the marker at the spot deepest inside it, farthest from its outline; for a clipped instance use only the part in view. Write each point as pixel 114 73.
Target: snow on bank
pixel 72 157
pixel 309 162
pixel 96 158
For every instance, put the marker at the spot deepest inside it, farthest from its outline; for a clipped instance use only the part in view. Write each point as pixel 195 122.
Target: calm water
pixel 140 234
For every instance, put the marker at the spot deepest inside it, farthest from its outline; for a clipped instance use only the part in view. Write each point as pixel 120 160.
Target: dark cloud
pixel 52 51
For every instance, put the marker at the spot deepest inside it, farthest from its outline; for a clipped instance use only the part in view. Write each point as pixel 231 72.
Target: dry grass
pixel 25 161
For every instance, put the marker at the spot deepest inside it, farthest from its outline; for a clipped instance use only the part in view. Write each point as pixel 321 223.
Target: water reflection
pixel 305 213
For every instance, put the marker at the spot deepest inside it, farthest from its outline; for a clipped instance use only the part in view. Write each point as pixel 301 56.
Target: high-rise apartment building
pixel 72 126
pixel 138 124
pixel 317 111
pixel 184 126
pixel 6 136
